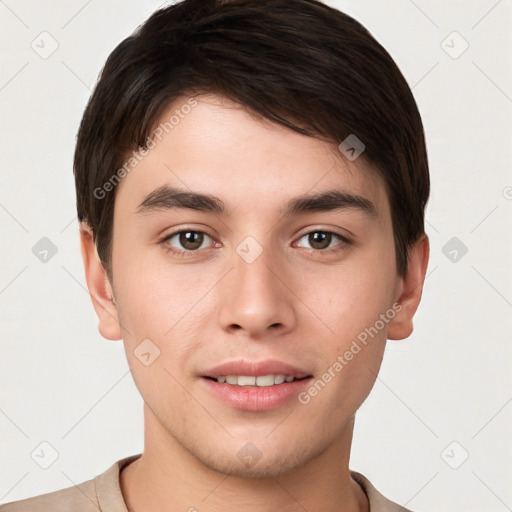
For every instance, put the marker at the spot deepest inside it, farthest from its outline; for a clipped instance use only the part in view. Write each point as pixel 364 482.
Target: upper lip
pixel 255 369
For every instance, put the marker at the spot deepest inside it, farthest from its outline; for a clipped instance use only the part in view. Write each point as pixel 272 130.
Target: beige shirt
pixel 103 493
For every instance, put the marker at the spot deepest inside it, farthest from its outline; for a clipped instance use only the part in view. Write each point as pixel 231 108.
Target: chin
pixel 250 462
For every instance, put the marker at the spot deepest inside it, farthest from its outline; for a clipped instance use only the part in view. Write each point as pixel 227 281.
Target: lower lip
pixel 255 398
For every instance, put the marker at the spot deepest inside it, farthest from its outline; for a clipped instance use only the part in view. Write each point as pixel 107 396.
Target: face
pixel 254 283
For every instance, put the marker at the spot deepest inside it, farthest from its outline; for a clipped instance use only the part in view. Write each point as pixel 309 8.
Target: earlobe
pixel 99 286
pixel 401 326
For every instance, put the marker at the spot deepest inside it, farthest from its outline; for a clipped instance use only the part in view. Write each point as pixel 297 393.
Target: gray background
pixel 435 432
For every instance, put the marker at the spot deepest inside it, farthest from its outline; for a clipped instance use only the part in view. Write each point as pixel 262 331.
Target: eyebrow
pixel 170 198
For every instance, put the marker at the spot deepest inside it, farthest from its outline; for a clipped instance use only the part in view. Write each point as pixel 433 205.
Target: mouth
pixel 255 386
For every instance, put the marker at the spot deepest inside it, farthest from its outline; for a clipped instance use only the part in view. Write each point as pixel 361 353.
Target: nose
pixel 257 297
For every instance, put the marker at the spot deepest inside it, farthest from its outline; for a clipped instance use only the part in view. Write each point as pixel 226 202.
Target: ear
pixel 100 289
pixel 401 326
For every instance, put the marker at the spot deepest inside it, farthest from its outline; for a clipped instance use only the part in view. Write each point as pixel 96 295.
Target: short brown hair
pixel 299 63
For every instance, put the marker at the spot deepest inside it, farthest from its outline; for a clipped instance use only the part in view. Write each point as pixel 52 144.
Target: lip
pixel 255 398
pixel 256 369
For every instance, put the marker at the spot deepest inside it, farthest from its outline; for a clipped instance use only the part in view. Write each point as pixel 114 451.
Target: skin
pixel 295 303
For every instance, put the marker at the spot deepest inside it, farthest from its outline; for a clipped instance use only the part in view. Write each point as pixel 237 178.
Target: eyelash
pixel 186 253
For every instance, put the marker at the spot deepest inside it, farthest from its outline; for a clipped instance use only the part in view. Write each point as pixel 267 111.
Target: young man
pixel 251 182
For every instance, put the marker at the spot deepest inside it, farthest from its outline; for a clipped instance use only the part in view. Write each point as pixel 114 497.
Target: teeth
pixel 246 381
pixel 279 379
pixel 261 381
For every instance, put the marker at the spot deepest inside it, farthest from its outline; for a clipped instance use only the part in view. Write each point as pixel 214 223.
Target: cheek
pixel 155 294
pixel 350 298
pixel 350 303
pixel 167 304
pixel 156 310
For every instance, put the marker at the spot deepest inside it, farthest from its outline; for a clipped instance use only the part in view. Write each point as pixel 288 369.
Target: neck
pixel 168 477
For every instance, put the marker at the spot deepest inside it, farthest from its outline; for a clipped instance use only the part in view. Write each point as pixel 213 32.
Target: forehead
pixel 211 145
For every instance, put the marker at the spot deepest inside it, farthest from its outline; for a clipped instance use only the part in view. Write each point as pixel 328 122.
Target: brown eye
pixel 191 240
pixel 187 240
pixel 321 240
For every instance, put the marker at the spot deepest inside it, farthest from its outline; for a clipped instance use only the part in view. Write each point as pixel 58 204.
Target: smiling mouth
pixel 255 386
pixel 259 381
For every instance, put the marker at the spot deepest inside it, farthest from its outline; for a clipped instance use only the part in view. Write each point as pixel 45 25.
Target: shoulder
pixel 80 497
pixel 100 493
pixel 378 502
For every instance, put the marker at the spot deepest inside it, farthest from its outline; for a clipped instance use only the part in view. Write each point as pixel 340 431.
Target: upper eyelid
pixel 173 234
pixel 342 238
pixel 187 230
